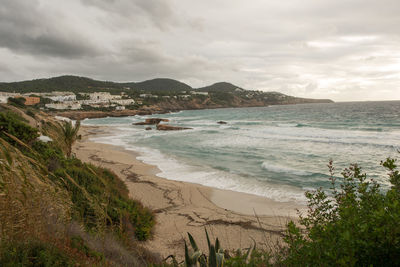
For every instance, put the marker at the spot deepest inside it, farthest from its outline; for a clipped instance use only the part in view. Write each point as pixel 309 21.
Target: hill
pixel 62 83
pixel 220 87
pixel 78 84
pixel 160 85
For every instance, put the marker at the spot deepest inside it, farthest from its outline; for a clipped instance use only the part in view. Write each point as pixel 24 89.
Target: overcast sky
pixel 338 49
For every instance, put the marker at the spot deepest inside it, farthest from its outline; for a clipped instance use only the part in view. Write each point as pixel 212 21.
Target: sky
pixel 344 50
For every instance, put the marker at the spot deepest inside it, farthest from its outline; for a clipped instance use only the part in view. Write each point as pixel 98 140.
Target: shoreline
pixel 182 207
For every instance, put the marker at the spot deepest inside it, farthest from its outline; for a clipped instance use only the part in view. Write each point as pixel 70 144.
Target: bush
pixel 17 101
pixel 357 226
pixel 99 196
pixel 13 124
pixel 33 253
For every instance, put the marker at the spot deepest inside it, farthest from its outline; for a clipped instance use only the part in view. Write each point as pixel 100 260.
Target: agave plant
pixel 215 256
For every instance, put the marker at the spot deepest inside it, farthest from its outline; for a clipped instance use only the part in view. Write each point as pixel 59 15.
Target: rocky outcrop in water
pixel 222 122
pixel 165 127
pixel 151 121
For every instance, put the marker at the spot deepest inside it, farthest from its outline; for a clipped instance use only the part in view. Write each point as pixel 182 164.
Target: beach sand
pixel 182 207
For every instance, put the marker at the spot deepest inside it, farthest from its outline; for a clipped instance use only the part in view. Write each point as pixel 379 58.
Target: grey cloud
pixel 159 12
pixel 306 48
pixel 25 28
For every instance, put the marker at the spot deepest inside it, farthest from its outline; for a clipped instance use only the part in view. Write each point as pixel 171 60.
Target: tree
pixel 70 133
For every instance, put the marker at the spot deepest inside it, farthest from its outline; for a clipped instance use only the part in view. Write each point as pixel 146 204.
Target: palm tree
pixel 70 134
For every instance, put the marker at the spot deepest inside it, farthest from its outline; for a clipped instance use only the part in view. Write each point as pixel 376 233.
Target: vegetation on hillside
pixel 160 85
pixel 70 134
pixel 220 87
pixel 58 211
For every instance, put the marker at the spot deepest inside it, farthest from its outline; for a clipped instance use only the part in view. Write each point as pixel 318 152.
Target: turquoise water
pixel 277 151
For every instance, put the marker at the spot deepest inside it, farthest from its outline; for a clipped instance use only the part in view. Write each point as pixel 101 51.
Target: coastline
pixel 182 207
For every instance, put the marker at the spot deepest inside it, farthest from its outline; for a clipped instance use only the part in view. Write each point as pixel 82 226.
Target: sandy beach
pixel 182 207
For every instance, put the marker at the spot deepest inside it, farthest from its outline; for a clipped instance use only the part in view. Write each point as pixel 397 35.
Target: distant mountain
pixel 61 83
pixel 160 85
pixel 82 84
pixel 220 87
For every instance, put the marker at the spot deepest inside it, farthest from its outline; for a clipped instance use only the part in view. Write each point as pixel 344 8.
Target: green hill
pixel 160 85
pixel 220 87
pixel 61 83
pixel 78 84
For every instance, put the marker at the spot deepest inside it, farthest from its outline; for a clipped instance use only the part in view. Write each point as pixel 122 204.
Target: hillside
pixel 58 211
pixel 160 85
pixel 62 83
pixel 78 84
pixel 220 87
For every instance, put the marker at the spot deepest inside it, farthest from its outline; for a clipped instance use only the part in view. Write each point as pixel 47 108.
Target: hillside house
pixel 31 100
pixel 123 102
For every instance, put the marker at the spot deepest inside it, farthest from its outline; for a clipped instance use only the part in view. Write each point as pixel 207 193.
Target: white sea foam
pixel 284 169
pixel 173 169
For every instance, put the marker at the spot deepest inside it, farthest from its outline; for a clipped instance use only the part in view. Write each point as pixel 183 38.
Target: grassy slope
pixel 59 211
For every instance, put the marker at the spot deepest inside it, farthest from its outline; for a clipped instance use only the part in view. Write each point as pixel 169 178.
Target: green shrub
pixel 33 253
pixel 357 226
pixel 99 196
pixel 78 243
pixel 17 101
pixel 13 124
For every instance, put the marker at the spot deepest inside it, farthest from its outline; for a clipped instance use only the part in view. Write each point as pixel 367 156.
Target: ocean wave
pixel 173 169
pixel 288 124
pixel 284 169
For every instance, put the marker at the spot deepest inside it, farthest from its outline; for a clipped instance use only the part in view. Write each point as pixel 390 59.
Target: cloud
pixel 159 12
pixel 345 50
pixel 25 28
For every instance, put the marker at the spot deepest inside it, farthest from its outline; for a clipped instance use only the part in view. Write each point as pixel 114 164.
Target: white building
pixel 123 102
pixel 62 98
pixel 100 96
pixel 145 95
pixel 65 105
pixel 198 93
pixel 4 99
pixel 184 97
pixel 4 96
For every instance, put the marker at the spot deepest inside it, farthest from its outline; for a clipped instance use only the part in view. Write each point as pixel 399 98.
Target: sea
pixel 278 152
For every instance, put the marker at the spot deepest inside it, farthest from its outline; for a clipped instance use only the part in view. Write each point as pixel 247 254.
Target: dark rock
pixel 165 127
pixel 148 128
pixel 151 121
pixel 222 122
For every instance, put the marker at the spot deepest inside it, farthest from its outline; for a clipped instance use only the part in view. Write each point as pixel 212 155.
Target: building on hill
pixel 61 98
pixel 123 102
pixel 65 105
pixel 4 99
pixel 101 96
pixel 31 100
pixel 198 93
pixel 4 96
pixel 145 95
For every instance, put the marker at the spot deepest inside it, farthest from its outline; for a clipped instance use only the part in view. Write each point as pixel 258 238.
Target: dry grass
pixel 29 203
